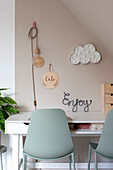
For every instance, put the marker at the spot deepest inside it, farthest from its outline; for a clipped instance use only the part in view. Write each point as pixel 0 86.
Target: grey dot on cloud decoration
pixel 85 55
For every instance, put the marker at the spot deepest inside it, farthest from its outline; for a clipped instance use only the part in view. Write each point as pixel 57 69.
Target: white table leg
pixel 21 151
pixel 15 152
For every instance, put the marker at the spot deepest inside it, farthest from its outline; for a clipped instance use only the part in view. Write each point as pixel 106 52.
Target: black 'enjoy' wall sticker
pixel 75 103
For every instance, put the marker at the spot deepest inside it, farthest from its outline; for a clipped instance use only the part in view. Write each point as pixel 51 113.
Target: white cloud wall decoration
pixel 85 55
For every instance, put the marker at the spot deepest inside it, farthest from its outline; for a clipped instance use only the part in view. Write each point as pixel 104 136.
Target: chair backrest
pixel 105 145
pixel 48 134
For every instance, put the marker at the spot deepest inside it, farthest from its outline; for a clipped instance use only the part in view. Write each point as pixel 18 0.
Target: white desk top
pixel 22 117
pixel 76 117
pixel 16 124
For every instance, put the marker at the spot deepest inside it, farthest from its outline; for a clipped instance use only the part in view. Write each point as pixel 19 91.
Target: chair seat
pixel 93 145
pixel 49 156
pixel 3 149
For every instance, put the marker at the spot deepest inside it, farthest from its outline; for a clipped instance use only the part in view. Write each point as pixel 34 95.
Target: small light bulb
pixel 37 60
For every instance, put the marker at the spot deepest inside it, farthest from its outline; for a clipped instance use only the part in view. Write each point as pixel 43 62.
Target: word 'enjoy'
pixel 76 103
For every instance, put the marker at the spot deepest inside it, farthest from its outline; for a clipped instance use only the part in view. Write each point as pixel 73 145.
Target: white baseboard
pixel 66 165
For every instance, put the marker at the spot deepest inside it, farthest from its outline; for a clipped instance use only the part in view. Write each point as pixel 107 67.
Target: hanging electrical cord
pixel 30 35
pixel 37 60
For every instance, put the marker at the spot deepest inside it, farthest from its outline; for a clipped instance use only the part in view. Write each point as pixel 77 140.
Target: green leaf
pixel 5 114
pixel 9 100
pixel 10 109
pixel 2 122
pixel 2 127
pixel 3 89
pixel 1 102
pixel 1 117
pixel 2 98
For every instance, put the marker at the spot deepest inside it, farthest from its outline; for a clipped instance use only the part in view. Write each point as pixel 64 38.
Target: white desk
pixel 16 126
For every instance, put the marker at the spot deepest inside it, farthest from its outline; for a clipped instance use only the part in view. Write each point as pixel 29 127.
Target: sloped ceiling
pixel 96 16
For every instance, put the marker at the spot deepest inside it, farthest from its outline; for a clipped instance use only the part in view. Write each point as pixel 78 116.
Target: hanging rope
pixel 35 36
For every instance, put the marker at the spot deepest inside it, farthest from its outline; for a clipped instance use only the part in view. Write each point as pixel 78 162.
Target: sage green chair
pixel 48 137
pixel 2 150
pixel 105 146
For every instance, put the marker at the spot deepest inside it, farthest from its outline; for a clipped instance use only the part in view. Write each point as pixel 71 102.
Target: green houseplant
pixel 6 109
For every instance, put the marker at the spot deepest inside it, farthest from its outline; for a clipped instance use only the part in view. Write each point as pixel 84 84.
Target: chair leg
pixel 89 157
pixel 24 161
pixel 1 162
pixel 70 162
pixel 73 159
pixel 96 167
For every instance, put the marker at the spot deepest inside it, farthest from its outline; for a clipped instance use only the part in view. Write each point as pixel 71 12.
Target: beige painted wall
pixel 59 33
pixel 96 16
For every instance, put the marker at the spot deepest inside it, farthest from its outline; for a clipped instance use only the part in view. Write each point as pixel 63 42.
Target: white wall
pixel 7 58
pixel 7 62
